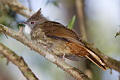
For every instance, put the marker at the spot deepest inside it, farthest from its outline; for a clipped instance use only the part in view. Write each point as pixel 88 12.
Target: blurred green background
pixel 102 20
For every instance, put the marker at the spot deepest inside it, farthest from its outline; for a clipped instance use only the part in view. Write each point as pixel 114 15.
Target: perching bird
pixel 62 41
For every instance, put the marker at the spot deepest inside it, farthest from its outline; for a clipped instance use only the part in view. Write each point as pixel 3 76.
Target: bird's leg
pixel 63 57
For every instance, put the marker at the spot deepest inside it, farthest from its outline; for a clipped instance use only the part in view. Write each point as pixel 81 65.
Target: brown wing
pixel 56 29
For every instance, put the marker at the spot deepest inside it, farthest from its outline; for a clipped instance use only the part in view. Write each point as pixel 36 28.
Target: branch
pixel 71 70
pixel 81 17
pixel 18 61
pixel 76 73
pixel 18 7
pixel 112 63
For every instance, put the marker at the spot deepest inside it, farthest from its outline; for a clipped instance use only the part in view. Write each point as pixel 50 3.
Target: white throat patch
pixel 27 29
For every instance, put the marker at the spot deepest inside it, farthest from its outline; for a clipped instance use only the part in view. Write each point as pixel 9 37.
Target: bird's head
pixel 35 19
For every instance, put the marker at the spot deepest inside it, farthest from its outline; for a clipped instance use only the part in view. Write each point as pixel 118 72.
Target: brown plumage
pixel 61 39
pixel 57 31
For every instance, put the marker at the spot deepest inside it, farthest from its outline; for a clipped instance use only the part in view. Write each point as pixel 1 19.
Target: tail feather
pixel 97 60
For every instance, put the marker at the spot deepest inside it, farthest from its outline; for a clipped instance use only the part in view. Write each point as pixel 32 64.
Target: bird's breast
pixel 27 29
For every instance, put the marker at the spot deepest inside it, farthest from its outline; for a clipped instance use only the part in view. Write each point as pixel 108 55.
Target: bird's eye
pixel 32 22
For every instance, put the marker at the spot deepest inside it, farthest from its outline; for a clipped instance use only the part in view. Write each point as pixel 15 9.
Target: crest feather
pixel 36 16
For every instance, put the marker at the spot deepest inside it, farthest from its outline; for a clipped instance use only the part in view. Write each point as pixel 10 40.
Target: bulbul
pixel 61 40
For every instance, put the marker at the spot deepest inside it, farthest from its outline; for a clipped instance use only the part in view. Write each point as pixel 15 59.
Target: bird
pixel 60 39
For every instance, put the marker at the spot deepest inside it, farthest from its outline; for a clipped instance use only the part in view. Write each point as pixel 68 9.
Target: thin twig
pixel 18 61
pixel 77 74
pixel 81 19
pixel 30 5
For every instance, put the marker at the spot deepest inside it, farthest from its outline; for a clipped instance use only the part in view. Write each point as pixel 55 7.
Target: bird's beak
pixel 22 24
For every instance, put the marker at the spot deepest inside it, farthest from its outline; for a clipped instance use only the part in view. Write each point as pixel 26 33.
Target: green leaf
pixel 56 3
pixel 71 23
pixel 118 33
